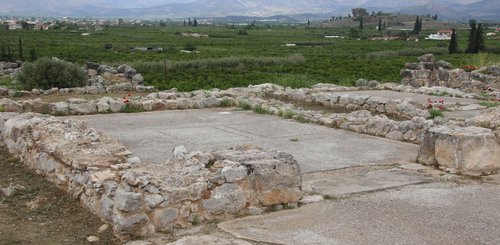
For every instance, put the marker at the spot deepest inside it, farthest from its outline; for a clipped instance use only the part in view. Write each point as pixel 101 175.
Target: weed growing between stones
pixel 226 103
pixel 490 104
pixel 288 114
pixel 294 139
pixel 435 113
pixel 260 110
pixel 128 108
pixel 300 118
pixel 1 108
pixel 196 220
pixel 244 105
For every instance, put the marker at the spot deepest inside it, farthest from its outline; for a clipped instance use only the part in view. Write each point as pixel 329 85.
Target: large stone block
pixel 467 150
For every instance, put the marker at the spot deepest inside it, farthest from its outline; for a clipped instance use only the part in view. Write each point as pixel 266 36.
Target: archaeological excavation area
pixel 415 163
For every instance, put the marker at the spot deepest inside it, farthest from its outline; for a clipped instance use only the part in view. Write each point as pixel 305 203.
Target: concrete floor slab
pixel 153 135
pixel 436 213
pixel 335 185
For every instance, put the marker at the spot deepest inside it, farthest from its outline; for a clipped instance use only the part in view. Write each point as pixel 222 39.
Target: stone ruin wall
pixel 139 199
pixel 429 73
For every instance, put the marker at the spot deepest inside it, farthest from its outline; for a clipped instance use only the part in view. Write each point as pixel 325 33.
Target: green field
pixel 226 59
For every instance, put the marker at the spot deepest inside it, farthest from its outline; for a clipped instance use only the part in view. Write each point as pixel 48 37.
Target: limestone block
pixel 467 150
pixel 228 198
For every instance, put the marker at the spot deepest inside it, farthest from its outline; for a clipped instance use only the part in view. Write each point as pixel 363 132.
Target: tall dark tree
pixel 9 56
pixel 21 57
pixel 435 17
pixel 472 45
pixel 3 55
pixel 33 55
pixel 416 26
pixel 195 23
pixel 379 24
pixel 480 37
pixel 453 47
pixel 361 23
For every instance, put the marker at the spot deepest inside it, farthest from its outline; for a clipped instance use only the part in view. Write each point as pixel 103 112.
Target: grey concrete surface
pixel 436 213
pixel 153 135
pixel 332 184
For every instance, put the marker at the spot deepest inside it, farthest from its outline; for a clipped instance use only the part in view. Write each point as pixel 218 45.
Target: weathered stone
pixel 138 79
pixel 179 152
pixel 128 201
pixel 164 218
pixel 10 105
pixel 133 224
pixel 426 58
pixel 234 174
pixel 470 150
pixel 153 200
pixel 228 198
pixel 208 239
pixel 124 87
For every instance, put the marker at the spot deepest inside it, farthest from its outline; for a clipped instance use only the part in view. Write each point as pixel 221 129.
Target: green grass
pixel 260 110
pixel 435 113
pixel 226 59
pixel 226 103
pixel 7 82
pixel 129 108
pixel 244 105
pixel 490 104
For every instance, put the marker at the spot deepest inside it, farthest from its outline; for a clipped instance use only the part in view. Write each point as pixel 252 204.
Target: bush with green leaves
pixel 48 73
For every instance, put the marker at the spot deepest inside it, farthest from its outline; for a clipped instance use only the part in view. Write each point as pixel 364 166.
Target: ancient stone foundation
pixel 428 73
pixel 140 199
pixel 465 150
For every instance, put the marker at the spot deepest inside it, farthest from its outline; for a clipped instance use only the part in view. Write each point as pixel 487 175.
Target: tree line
pixel 476 39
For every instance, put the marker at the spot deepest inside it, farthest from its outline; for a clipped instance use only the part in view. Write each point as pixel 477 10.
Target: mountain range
pixel 445 9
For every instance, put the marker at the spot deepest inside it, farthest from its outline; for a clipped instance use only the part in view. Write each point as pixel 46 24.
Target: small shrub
pixel 244 105
pixel 300 118
pixel 288 114
pixel 485 124
pixel 2 109
pixel 294 139
pixel 108 46
pixel 190 47
pixel 435 113
pixel 196 220
pixel 243 32
pixel 129 108
pixel 48 73
pixel 260 110
pixel 226 103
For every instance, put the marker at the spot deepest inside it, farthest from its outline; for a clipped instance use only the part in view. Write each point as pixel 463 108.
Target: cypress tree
pixel 379 24
pixel 479 38
pixel 453 47
pixel 417 27
pixel 3 55
pixel 21 57
pixel 472 45
pixel 361 23
pixel 33 55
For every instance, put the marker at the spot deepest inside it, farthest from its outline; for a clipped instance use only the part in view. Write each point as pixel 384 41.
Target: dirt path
pixel 40 213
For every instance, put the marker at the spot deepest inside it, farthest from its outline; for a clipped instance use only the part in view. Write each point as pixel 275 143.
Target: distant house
pixel 193 34
pixel 445 32
pixel 13 25
pixel 441 35
pixel 491 34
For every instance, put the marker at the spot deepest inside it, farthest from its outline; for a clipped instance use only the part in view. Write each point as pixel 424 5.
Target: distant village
pixel 83 24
